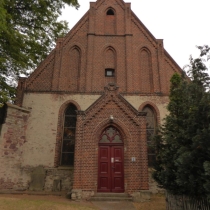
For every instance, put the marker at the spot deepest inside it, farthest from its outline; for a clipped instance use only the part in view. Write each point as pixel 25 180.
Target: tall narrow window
pixel 151 126
pixel 69 129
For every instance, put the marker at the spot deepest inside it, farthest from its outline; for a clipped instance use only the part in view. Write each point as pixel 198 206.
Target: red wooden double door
pixel 111 168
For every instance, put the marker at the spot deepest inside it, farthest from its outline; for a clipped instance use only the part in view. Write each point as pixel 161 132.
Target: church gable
pixel 108 38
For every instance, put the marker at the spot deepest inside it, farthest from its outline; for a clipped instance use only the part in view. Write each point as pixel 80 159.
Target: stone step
pixel 111 194
pixel 111 197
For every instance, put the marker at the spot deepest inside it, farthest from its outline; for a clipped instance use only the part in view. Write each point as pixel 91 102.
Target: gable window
pixel 109 72
pixel 69 129
pixel 110 12
pixel 150 129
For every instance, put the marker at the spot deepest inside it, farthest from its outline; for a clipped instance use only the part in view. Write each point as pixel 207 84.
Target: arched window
pixel 150 128
pixel 69 129
pixel 110 12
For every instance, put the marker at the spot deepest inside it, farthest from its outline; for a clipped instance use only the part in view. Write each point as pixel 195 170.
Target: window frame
pixel 114 137
pixel 110 70
pixel 64 139
pixel 149 141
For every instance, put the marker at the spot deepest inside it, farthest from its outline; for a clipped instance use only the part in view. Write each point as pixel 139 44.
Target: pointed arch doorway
pixel 111 161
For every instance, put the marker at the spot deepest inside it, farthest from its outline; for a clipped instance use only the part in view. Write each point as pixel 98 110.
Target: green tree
pixel 28 30
pixel 183 141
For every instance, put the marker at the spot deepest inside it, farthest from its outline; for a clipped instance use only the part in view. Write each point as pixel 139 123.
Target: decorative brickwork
pixel 72 68
pixel 141 64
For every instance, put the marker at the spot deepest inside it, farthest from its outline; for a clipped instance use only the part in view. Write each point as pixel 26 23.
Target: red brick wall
pixel 141 64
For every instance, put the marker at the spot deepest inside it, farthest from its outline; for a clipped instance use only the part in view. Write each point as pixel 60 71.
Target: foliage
pixel 183 141
pixel 28 33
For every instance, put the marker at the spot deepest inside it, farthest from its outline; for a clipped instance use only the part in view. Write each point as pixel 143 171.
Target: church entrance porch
pixel 110 148
pixel 111 161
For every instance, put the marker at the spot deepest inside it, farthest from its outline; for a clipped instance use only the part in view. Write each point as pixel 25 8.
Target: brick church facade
pixel 83 120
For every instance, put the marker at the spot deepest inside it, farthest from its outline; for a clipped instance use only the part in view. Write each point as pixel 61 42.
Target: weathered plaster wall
pixel 42 125
pixel 159 101
pixel 28 140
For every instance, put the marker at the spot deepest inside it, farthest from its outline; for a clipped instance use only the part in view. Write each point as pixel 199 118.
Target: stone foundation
pixel 53 179
pixel 64 178
pixel 141 196
pixel 78 194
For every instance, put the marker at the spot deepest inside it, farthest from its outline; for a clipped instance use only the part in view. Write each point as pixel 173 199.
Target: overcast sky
pixel 182 24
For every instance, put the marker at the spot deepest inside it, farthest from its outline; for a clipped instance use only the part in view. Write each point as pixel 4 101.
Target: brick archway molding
pixel 153 106
pixel 117 124
pixel 124 132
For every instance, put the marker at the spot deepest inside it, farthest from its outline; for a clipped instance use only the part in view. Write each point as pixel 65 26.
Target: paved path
pixel 114 205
